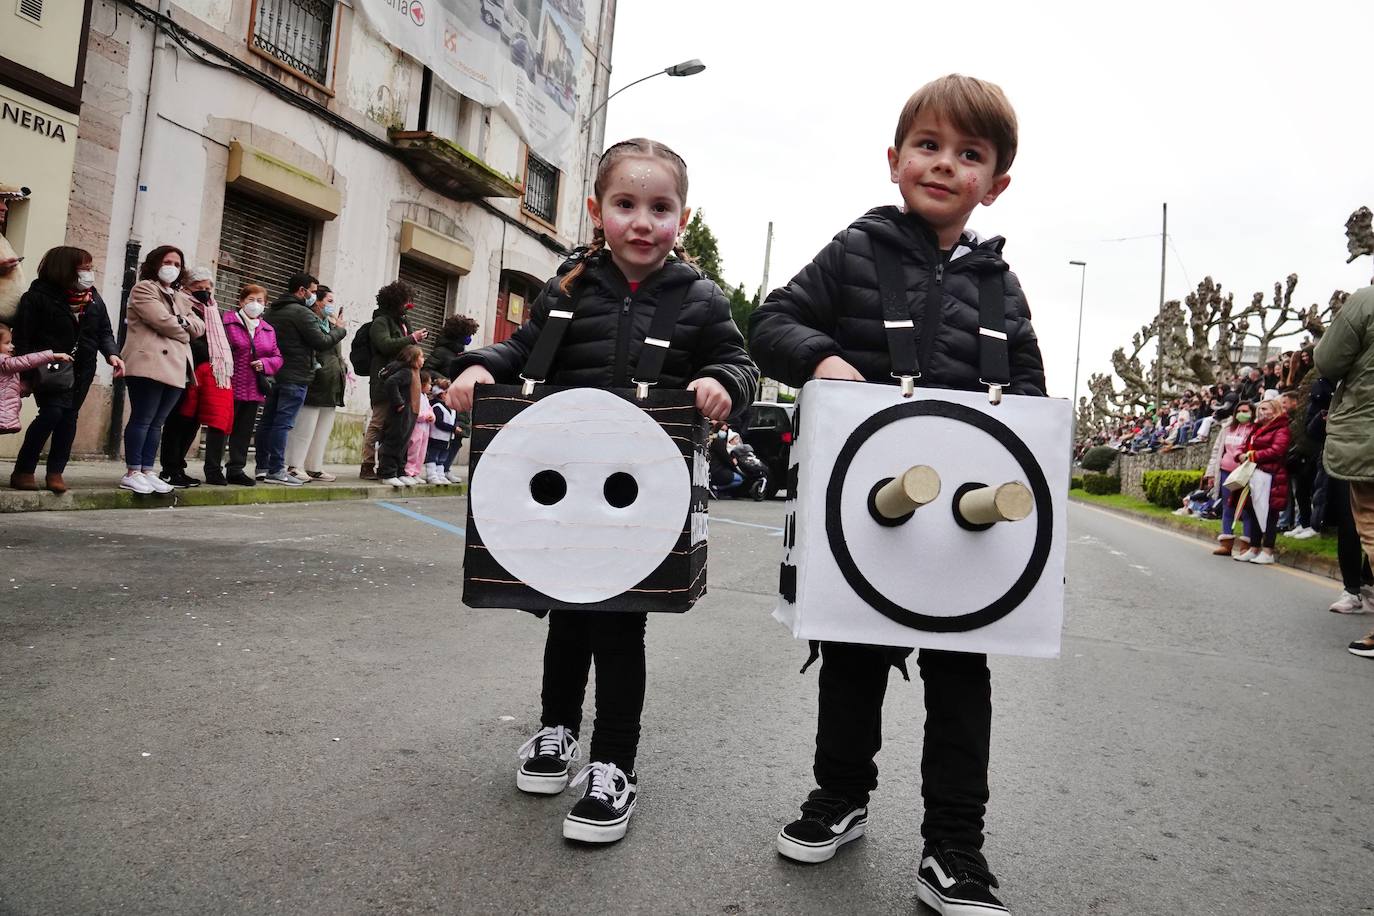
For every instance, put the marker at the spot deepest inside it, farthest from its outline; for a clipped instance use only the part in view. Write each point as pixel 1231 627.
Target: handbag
pixel 587 498
pixel 1240 477
pixel 265 381
pixel 56 377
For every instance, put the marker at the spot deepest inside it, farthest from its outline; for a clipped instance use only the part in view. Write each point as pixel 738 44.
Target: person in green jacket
pixel 389 333
pixel 1345 355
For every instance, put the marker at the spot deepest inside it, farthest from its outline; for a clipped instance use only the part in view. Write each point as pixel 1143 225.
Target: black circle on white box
pixel 580 496
pixel 1032 559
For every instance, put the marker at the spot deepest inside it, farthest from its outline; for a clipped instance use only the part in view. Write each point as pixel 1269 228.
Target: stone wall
pixel 1132 468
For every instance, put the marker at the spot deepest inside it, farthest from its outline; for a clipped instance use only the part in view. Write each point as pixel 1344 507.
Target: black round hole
pixel 548 487
pixel 621 489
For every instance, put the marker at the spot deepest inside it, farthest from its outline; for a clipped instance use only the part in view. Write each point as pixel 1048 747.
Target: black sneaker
pixel 181 480
pixel 215 478
pixel 603 813
pixel 956 882
pixel 240 479
pixel 828 821
pixel 545 759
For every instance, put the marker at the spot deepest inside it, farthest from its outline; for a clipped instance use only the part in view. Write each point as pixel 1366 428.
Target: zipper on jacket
pixel 622 344
pixel 930 319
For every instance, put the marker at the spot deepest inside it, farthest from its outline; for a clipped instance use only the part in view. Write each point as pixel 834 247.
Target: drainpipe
pixel 133 247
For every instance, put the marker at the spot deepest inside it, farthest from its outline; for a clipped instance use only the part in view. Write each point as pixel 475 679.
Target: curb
pixel 1307 562
pixel 114 498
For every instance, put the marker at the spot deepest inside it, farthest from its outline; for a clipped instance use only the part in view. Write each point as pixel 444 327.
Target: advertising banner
pixel 519 56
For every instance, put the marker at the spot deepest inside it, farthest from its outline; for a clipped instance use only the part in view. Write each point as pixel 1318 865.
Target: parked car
pixel 493 11
pixel 768 428
pixel 521 56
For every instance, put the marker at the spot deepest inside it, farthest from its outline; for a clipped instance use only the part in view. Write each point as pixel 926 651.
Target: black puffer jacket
pixel 832 308
pixel 44 321
pixel 601 346
pixel 299 339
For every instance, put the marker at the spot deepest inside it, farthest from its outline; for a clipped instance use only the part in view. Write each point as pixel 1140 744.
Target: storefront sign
pixel 31 120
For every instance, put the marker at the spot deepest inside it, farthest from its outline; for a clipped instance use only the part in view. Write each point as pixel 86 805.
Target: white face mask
pixel 168 274
pixel 85 279
pixel 252 309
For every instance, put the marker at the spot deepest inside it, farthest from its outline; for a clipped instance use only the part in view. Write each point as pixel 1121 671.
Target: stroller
pixel 753 470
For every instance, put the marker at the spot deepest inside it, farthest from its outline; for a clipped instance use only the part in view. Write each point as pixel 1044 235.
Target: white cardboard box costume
pixel 940 575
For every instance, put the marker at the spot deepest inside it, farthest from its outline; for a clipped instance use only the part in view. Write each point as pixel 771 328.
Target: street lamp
pixel 686 68
pixel 1078 350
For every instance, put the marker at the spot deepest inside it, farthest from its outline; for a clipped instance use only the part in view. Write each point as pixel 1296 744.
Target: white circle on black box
pixel 931 573
pixel 580 496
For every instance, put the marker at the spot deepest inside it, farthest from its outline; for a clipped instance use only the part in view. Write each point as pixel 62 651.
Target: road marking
pixel 716 519
pixel 1278 567
pixel 410 513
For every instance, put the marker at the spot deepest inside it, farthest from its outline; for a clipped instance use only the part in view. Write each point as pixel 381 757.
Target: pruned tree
pixel 1318 319
pixel 1359 234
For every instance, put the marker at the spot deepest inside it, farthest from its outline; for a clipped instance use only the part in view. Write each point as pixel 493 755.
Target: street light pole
pixel 686 68
pixel 1077 349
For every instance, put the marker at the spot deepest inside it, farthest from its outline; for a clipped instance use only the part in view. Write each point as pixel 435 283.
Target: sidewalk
pixel 95 485
pixel 1286 554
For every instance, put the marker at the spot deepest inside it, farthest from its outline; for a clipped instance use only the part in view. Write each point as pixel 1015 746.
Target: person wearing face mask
pixel 62 312
pixel 1226 457
pixel 300 339
pixel 1267 446
pixel 308 439
pixel 253 346
pixel 210 401
pixel 454 337
pixel 388 333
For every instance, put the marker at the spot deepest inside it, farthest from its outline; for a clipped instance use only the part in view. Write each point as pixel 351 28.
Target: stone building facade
pixel 264 137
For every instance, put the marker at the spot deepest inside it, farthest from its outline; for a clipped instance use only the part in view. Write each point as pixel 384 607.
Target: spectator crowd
pixel 262 373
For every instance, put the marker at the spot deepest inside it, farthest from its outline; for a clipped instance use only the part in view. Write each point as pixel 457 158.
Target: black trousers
pixel 395 442
pixel 245 421
pixel 57 416
pixel 958 732
pixel 178 435
pixel 1302 473
pixel 1350 556
pixel 616 641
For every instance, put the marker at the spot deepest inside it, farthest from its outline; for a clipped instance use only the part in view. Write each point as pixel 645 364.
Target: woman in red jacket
pixel 1268 447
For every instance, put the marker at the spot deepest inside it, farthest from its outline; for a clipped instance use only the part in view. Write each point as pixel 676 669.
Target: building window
pixel 297 33
pixel 541 189
pixel 259 243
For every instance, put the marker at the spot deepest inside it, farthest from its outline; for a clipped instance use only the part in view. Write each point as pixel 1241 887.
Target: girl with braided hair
pixel 613 287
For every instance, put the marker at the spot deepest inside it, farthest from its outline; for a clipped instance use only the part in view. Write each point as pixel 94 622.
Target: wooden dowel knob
pixel 1011 502
pixel 907 492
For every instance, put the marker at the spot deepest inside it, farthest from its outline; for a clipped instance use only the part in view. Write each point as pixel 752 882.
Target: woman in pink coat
pixel 253 343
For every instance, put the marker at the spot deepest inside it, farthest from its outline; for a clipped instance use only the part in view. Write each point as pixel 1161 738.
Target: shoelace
pixel 549 742
pixel 603 778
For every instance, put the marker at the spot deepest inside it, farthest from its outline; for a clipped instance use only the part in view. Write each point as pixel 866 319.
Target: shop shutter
pixel 429 292
pixel 259 243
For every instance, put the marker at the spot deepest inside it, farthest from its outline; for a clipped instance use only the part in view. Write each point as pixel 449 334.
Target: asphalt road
pixel 287 709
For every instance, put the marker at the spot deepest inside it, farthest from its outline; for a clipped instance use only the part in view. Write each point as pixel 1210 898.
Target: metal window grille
pixel 31 9
pixel 541 189
pixel 429 292
pixel 296 32
pixel 259 244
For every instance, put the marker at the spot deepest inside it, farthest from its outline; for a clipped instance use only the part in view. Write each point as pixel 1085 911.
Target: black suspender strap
pixel 897 323
pixel 546 347
pixel 655 349
pixel 994 370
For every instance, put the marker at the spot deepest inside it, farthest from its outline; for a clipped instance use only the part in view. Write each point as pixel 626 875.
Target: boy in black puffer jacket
pixel 955 141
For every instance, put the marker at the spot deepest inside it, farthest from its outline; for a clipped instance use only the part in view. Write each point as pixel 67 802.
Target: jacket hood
pixel 908 231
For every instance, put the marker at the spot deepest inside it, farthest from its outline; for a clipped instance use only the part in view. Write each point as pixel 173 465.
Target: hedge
pixel 1168 488
pixel 1076 482
pixel 1098 458
pixel 1101 484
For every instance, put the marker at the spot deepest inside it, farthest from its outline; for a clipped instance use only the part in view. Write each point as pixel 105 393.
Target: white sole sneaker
pixel 585 831
pixel 540 783
pixel 932 898
pixel 813 853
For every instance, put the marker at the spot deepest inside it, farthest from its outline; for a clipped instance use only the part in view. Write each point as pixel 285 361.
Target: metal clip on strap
pixel 527 385
pixel 993 361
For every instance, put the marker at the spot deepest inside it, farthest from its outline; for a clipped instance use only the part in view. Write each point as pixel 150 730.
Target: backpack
pixel 360 353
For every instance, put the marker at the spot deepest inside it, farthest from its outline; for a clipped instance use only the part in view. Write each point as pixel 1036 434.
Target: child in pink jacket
pixel 10 384
pixel 419 437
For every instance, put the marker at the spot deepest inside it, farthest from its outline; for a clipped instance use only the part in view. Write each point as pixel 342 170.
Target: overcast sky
pixel 1255 122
